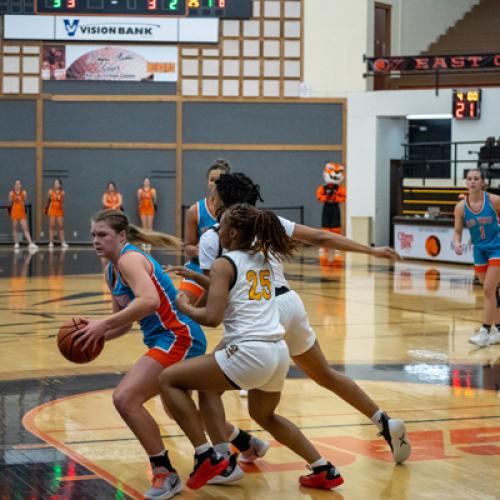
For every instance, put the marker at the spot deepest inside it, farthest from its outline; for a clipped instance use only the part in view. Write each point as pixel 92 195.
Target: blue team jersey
pixel 167 328
pixel 483 225
pixel 205 218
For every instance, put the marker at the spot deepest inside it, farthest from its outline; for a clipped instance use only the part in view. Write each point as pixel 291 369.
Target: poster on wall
pixel 129 63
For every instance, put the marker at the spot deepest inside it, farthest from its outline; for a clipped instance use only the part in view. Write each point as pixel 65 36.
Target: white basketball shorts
pixel 299 335
pixel 255 364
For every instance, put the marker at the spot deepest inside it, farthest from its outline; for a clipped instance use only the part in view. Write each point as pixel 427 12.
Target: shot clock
pixel 466 104
pixel 230 9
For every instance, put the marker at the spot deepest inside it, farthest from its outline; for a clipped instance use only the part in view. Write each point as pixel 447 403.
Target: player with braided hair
pixel 254 356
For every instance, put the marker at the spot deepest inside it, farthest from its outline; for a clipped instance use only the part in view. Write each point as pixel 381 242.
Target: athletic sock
pixel 199 450
pixel 376 419
pixel 242 440
pixel 319 463
pixel 487 326
pixel 233 434
pixel 161 460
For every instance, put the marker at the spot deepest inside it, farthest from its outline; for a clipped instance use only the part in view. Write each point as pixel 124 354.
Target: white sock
pixel 235 432
pixel 319 463
pixel 376 419
pixel 158 454
pixel 201 449
pixel 223 449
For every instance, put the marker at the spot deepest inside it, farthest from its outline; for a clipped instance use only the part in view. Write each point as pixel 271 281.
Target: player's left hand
pixel 179 271
pixel 94 330
pixel 386 253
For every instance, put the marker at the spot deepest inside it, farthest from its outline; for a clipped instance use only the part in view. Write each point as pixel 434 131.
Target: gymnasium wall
pixel 377 121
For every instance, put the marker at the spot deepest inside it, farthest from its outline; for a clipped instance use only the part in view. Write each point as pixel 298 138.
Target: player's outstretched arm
pixel 335 241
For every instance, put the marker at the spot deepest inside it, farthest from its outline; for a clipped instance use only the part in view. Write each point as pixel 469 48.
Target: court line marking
pixel 29 423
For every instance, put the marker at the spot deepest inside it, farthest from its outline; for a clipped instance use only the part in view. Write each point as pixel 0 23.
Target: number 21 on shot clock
pixel 466 104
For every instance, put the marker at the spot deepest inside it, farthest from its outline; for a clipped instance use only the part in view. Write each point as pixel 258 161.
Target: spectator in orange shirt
pixel 55 212
pixel 17 211
pixel 146 199
pixel 112 198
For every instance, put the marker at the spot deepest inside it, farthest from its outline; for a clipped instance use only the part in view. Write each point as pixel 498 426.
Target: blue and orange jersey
pixel 166 318
pixel 483 225
pixel 205 218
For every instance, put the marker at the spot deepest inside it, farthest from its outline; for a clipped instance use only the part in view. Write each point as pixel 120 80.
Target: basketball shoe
pixel 258 448
pixel 494 336
pixel 165 484
pixel 482 338
pixel 394 432
pixel 323 477
pixel 206 466
pixel 232 473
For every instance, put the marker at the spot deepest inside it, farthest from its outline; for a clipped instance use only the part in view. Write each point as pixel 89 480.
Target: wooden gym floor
pixel 400 330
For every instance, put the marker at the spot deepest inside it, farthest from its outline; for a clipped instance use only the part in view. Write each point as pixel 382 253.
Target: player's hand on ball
pixel 91 333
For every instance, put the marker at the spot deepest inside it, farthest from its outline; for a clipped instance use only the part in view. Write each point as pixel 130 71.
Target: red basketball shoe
pixel 206 466
pixel 324 477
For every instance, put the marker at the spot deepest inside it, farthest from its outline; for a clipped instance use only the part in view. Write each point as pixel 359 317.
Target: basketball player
pixel 479 213
pixel 301 338
pixel 142 292
pixel 255 356
pixel 146 199
pixel 112 199
pixel 199 218
pixel 17 210
pixel 55 213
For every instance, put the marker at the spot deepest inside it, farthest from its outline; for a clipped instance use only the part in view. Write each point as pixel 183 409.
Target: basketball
pixel 66 338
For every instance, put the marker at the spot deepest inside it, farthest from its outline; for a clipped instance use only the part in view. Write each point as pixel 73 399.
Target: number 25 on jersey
pixel 261 281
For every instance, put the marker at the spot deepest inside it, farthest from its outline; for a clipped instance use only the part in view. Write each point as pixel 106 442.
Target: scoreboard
pixel 228 9
pixel 466 104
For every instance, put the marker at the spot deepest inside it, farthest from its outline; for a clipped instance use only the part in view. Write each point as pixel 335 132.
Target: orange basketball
pixel 66 337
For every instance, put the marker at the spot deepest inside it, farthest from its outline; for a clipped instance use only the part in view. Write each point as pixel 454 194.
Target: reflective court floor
pixel 400 330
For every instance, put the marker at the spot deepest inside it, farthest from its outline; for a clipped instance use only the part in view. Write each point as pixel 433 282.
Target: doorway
pixel 382 42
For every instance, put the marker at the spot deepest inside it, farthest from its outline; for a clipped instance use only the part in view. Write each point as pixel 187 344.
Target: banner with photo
pixel 130 63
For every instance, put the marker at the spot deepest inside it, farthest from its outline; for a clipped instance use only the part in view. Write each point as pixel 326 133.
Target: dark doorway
pixel 396 194
pixel 382 42
pixel 429 151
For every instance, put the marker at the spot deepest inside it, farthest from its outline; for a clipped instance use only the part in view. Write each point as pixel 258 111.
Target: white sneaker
pixel 258 448
pixel 165 484
pixel 51 245
pixel 243 393
pixel 394 432
pixel 16 246
pixel 494 336
pixel 33 246
pixel 482 338
pixel 64 245
pixel 232 473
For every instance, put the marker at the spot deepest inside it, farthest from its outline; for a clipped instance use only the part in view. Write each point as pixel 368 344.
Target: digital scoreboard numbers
pixel 230 9
pixel 467 104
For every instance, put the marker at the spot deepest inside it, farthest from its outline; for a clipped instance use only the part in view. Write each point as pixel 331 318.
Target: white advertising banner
pixel 28 27
pixel 109 63
pixel 124 29
pixel 430 242
pixel 116 29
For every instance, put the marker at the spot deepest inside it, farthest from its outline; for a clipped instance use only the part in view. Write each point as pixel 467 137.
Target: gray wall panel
pixel 261 123
pixel 66 87
pixel 85 175
pixel 17 120
pixel 109 121
pixel 15 164
pixel 288 178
